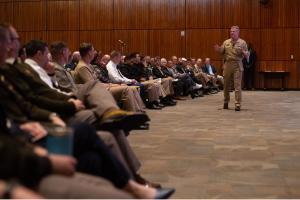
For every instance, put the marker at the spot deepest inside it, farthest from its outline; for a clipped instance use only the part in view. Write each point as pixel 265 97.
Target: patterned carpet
pixel 207 152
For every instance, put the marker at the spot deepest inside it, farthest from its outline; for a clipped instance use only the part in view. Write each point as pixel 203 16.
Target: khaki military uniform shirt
pixel 232 51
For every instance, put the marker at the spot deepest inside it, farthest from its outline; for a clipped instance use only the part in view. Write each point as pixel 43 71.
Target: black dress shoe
pixel 153 107
pixel 169 103
pixel 143 127
pixel 159 104
pixel 164 193
pixel 225 106
pixel 123 120
pixel 237 108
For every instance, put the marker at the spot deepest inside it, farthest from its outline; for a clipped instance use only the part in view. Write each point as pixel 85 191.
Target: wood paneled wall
pixel 187 28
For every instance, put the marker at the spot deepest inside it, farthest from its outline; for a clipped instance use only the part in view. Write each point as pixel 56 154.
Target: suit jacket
pixel 205 69
pixel 180 69
pixel 102 73
pixel 16 106
pixel 158 73
pixel 166 71
pixel 84 73
pixel 126 70
pixel 64 79
pixel 35 91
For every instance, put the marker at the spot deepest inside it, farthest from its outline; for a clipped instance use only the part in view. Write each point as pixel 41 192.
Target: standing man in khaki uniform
pixel 233 51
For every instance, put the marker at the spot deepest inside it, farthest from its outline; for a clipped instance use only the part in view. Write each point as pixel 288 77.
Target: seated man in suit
pixel 84 72
pixel 211 71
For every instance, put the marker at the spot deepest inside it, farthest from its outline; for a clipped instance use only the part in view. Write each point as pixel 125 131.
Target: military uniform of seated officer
pixel 84 72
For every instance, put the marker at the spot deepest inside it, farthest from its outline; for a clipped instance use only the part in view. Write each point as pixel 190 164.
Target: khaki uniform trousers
pixel 154 90
pixel 167 84
pixel 129 97
pixel 235 70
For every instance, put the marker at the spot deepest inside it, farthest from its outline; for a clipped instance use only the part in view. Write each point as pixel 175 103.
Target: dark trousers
pixel 95 158
pixel 248 77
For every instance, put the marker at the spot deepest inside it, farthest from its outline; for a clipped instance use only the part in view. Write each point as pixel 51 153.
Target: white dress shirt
pixel 115 75
pixel 41 72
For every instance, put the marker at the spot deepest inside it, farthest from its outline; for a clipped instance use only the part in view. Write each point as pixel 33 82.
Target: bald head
pixel 105 59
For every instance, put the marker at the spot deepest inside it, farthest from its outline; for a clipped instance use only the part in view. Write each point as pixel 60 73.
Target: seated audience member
pixel 22 164
pixel 39 93
pixel 84 72
pixel 73 61
pixel 133 68
pixel 91 92
pixel 211 71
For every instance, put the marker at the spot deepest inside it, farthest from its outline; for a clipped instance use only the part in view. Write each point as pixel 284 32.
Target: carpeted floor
pixel 207 152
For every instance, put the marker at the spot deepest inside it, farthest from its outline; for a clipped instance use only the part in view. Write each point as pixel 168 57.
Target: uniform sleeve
pixel 85 75
pixel 222 49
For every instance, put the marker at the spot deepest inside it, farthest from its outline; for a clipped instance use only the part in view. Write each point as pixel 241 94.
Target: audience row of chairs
pixel 64 124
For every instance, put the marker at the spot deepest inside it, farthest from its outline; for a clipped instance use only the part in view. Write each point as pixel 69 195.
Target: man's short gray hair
pixel 236 27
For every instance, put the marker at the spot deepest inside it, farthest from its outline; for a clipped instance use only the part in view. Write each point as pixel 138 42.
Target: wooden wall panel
pixel 204 14
pixel 241 13
pixel 62 15
pixel 135 40
pixel 102 40
pixel 167 14
pixel 280 13
pixel 26 36
pixel 200 42
pixel 279 44
pixel 166 43
pixel 70 37
pixel 153 27
pixel 131 14
pixel 29 16
pixel 253 36
pixel 6 12
pixel 96 14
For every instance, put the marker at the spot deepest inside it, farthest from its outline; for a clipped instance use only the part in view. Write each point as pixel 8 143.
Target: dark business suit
pixel 249 70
